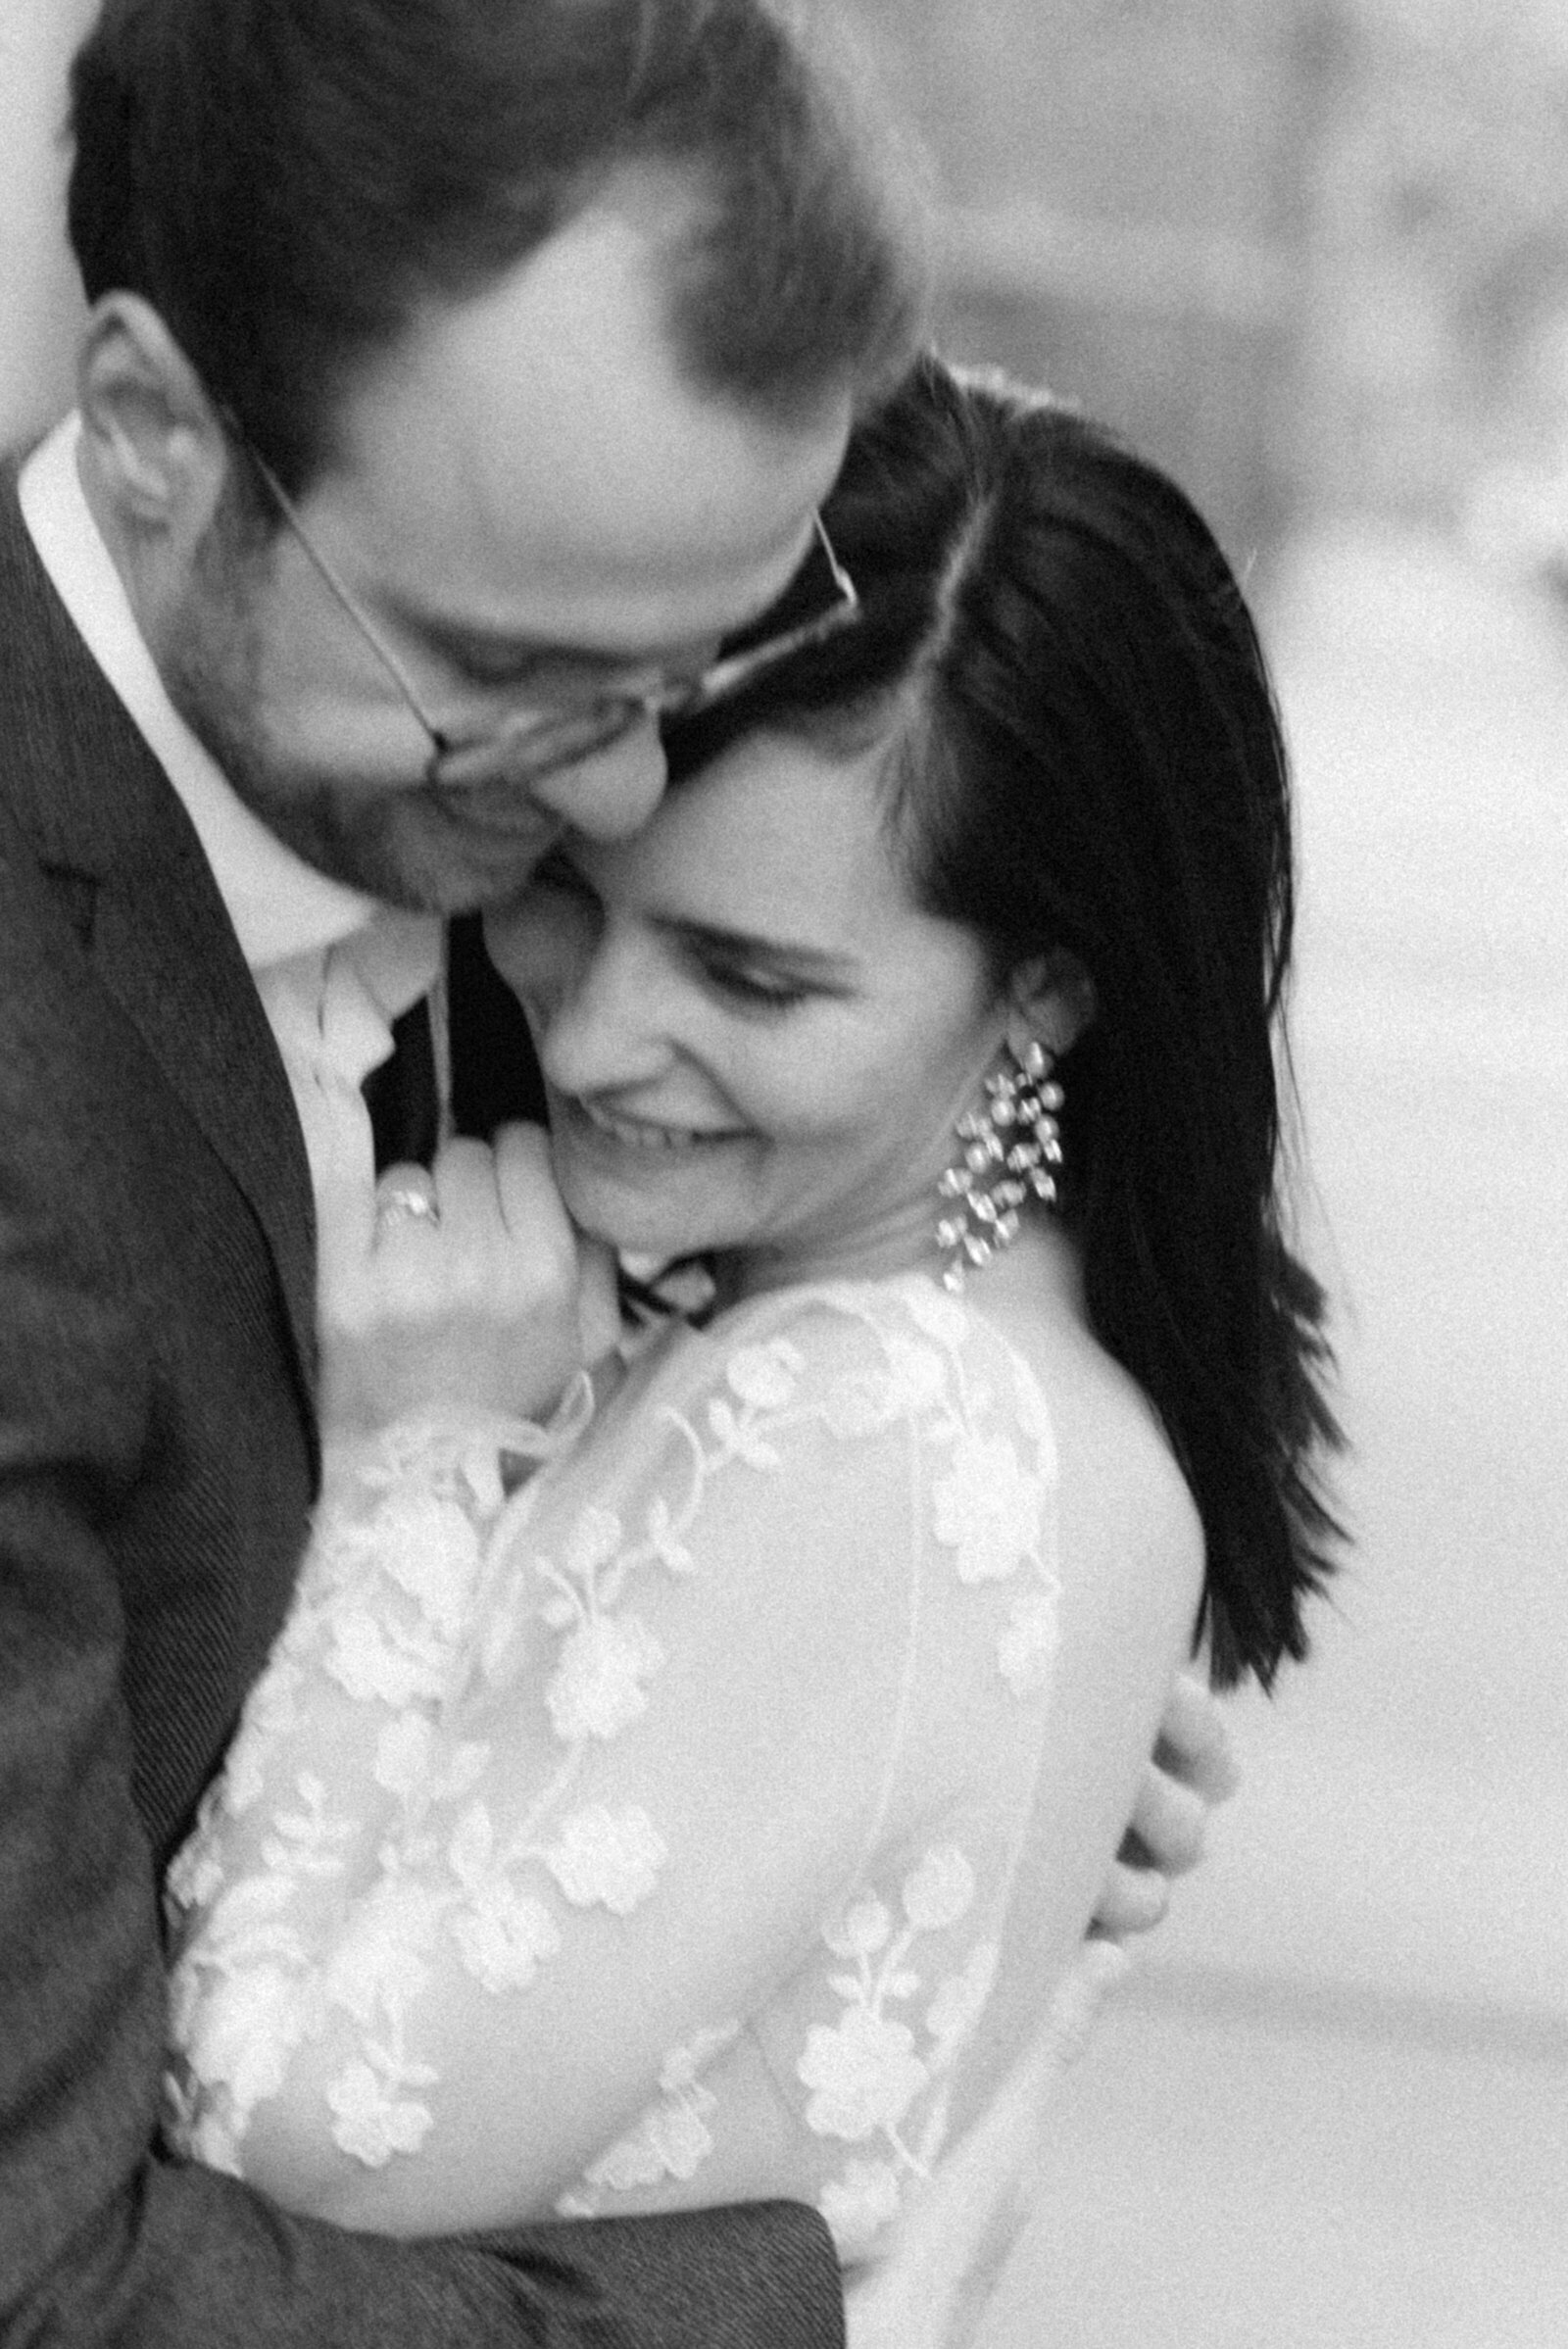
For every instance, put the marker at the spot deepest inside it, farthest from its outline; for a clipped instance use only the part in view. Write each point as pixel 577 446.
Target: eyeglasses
pixel 522 748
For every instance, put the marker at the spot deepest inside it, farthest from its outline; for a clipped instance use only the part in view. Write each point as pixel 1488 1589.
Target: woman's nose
pixel 603 1027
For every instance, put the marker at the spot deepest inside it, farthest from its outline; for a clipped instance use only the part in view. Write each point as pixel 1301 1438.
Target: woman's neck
pixel 900 1241
pixel 1041 1254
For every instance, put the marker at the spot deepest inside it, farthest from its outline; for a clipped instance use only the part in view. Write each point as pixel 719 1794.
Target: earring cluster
pixel 1010 1151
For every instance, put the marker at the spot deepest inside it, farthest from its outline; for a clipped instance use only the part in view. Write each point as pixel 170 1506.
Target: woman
pixel 685 1803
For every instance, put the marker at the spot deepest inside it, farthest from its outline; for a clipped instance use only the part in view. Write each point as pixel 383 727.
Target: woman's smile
pixel 753 1041
pixel 648 1136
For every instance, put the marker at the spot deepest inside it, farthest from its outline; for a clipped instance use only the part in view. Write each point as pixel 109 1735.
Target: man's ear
pixel 1051 1001
pixel 153 450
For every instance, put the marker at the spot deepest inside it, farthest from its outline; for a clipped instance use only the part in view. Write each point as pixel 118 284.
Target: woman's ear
pixel 1051 1001
pixel 155 453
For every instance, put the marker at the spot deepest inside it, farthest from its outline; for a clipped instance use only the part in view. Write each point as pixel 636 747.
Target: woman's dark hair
pixel 1087 759
pixel 286 181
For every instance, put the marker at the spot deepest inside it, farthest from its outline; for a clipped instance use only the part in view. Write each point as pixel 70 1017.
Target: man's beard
pixel 340 829
pixel 353 827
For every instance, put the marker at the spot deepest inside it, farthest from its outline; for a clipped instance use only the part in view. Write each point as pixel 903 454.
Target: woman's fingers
pixel 530 1204
pixel 598 1298
pixel 469 1293
pixel 404 1200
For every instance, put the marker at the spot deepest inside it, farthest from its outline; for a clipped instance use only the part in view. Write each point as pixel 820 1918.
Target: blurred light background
pixel 1312 254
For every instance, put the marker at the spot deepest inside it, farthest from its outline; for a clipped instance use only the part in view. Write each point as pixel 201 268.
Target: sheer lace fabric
pixel 643 1831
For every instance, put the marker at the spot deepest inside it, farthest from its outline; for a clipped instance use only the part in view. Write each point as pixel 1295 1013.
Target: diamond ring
pixel 405 1203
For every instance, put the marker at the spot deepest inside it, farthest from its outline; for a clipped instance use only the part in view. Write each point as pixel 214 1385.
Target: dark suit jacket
pixel 157 1457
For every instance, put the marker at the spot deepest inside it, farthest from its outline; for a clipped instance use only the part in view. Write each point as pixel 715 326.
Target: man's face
pixel 531 510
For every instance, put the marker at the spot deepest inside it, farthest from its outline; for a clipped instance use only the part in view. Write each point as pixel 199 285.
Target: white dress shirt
pixel 333 966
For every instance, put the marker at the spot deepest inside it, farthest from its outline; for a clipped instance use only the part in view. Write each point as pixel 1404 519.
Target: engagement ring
pixel 403 1202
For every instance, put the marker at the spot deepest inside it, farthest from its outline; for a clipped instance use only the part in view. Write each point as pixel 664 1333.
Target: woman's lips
pixel 652 1138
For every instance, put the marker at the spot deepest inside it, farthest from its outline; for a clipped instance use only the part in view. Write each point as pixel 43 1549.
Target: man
pixel 452 368
pixel 458 377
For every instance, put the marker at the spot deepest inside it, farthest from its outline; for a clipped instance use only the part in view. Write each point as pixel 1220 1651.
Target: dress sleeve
pixel 541 1788
pixel 849 2077
pixel 374 1648
pixel 898 2078
pixel 661 1848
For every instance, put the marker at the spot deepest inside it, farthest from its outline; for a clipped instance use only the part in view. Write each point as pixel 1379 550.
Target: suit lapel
pixel 99 811
pixel 166 954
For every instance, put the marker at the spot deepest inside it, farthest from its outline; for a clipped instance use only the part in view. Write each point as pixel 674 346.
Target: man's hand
pixel 1191 1769
pixel 931 2291
pixel 488 1305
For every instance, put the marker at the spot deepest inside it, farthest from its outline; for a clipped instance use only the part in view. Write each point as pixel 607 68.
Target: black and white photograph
pixel 783 1249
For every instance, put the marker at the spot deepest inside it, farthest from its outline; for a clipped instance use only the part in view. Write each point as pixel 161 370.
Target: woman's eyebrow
pixel 812 962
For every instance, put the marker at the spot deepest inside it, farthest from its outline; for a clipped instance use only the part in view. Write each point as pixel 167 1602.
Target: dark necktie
pixel 494 1075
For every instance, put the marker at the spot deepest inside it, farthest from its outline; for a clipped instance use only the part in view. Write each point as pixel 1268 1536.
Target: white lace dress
pixel 642 1829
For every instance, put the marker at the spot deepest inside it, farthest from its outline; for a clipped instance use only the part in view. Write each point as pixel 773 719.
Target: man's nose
pixel 611 793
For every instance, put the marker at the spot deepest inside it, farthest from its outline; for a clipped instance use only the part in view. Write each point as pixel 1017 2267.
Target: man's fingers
pixel 1189 1771
pixel 1195 1742
pixel 1133 1901
pixel 1169 1821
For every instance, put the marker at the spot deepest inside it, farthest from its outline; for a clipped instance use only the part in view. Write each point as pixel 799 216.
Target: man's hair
pixel 288 181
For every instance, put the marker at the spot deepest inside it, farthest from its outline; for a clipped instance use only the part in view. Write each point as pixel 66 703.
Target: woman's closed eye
pixel 746 981
pixel 762 994
pixel 738 970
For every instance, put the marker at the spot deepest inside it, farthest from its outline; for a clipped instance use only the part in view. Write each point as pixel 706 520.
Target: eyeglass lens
pixel 818 600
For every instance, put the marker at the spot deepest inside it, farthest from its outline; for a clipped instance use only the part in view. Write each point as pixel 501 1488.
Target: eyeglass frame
pixel 502 754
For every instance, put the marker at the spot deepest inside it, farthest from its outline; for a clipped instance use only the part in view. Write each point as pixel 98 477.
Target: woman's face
pixel 751 1038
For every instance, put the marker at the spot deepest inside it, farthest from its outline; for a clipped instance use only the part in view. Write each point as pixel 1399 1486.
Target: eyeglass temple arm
pixel 330 579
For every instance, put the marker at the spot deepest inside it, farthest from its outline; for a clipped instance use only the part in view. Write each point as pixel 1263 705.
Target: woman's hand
pixel 485 1299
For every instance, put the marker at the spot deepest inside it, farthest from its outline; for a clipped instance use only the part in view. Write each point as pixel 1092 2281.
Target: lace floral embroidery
pixel 869 2072
pixel 670 2138
pixel 387 1614
pixel 414 1608
pixel 989 1508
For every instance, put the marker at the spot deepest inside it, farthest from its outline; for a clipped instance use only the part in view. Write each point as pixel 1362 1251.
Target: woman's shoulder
pixel 1127 1515
pixel 811 1334
pixel 842 1318
pixel 1012 1352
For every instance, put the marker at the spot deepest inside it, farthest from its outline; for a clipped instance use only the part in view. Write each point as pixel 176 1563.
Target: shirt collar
pixel 280 906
